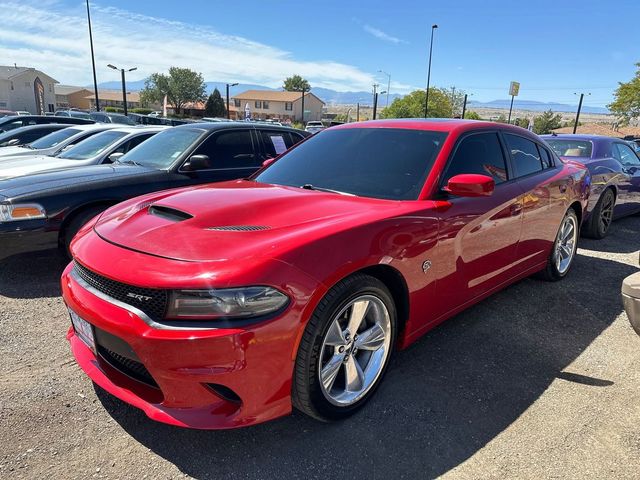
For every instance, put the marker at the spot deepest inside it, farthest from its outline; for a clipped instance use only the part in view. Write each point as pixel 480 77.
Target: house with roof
pixel 265 104
pixel 113 98
pixel 28 89
pixel 69 96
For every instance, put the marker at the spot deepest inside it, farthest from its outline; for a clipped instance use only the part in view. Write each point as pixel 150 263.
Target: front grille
pixel 131 368
pixel 151 301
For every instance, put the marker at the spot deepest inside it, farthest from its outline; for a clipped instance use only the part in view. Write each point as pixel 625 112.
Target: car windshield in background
pixel 121 119
pixel 163 149
pixel 54 138
pixel 92 146
pixel 570 148
pixel 387 163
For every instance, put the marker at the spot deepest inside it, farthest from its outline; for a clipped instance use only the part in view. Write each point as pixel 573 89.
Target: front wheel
pixel 564 249
pixel 345 349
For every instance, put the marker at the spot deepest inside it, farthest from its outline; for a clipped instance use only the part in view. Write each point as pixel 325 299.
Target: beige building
pixel 113 98
pixel 28 89
pixel 264 104
pixel 68 96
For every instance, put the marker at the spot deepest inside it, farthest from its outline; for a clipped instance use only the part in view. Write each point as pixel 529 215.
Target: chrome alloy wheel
pixel 354 350
pixel 565 247
pixel 606 211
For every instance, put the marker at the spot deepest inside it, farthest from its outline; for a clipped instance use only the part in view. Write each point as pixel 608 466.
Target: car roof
pixel 39 126
pixel 92 126
pixel 571 136
pixel 435 124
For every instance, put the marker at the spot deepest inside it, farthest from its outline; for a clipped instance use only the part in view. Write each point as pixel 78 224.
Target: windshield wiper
pixel 308 186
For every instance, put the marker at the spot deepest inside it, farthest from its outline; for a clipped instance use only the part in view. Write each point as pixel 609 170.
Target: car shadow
pixel 442 400
pixel 32 275
pixel 623 237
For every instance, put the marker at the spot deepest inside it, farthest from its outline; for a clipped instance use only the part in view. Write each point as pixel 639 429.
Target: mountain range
pixel 351 98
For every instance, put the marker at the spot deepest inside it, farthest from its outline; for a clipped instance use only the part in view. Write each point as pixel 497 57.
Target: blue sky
pixel 554 48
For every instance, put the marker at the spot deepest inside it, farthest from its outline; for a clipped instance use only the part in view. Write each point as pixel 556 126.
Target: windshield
pixel 77 114
pixel 92 146
pixel 162 150
pixel 121 119
pixel 54 138
pixel 389 163
pixel 570 148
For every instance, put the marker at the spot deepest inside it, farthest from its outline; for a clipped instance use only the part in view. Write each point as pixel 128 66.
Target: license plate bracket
pixel 84 330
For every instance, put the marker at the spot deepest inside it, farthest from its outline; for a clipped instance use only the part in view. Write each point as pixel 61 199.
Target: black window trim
pixel 505 154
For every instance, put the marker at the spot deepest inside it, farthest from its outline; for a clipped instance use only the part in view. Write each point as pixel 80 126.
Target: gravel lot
pixel 539 381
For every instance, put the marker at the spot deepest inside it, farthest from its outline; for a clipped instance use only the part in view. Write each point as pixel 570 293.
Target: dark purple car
pixel 615 173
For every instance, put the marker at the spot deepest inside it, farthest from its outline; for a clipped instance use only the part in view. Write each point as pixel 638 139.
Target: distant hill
pixel 537 106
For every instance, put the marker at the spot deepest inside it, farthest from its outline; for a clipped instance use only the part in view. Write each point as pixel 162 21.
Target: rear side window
pixel 547 161
pixel 525 154
pixel 480 153
pixel 276 142
pixel 232 149
pixel 625 155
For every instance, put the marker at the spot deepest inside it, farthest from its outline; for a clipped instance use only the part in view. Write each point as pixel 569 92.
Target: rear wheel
pixel 345 349
pixel 602 215
pixel 564 249
pixel 76 224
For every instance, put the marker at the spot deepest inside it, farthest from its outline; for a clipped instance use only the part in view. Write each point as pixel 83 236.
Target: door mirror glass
pixel 197 162
pixel 114 157
pixel 12 143
pixel 268 162
pixel 470 185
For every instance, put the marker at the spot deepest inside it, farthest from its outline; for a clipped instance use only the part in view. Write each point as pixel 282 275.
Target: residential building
pixel 28 89
pixel 264 104
pixel 113 98
pixel 68 96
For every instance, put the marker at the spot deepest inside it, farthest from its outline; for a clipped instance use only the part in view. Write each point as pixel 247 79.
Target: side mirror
pixel 114 157
pixel 12 143
pixel 268 162
pixel 67 148
pixel 470 185
pixel 197 162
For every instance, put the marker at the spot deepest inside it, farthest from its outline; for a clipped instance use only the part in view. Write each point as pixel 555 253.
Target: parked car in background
pixel 615 173
pixel 22 112
pixel 108 117
pixel 54 143
pixel 155 113
pixel 7 113
pixel 314 126
pixel 24 135
pixel 104 147
pixel 631 299
pixel 186 155
pixel 225 305
pixel 11 122
pixel 73 114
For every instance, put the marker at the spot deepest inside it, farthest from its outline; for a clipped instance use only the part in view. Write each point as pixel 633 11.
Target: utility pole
pixel 93 60
pixel 358 112
pixel 375 104
pixel 464 106
pixel 229 85
pixel 303 107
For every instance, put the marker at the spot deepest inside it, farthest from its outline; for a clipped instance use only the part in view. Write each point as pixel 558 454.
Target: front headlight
pixel 239 303
pixel 21 211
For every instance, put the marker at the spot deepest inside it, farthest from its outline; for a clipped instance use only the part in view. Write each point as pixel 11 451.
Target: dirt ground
pixel 540 381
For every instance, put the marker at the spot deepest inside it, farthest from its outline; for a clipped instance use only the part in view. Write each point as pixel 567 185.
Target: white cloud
pixel 376 32
pixel 55 40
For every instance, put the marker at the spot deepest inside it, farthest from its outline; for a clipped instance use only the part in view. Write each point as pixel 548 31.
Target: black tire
pixel 600 221
pixel 551 273
pixel 307 394
pixel 76 223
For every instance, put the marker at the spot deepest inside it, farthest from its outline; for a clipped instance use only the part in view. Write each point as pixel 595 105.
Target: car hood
pixel 62 179
pixel 233 220
pixel 28 165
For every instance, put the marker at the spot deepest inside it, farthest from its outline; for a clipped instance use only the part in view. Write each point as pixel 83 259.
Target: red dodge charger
pixel 225 305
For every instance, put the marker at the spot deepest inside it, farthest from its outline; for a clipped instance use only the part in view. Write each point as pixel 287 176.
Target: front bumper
pixel 631 299
pixel 26 236
pixel 188 366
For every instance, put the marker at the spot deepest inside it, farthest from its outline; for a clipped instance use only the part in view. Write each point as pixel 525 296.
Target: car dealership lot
pixel 540 380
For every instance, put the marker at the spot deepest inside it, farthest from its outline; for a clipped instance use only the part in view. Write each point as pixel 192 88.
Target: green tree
pixel 412 105
pixel 296 84
pixel 215 105
pixel 521 122
pixel 627 99
pixel 547 122
pixel 501 118
pixel 471 115
pixel 181 86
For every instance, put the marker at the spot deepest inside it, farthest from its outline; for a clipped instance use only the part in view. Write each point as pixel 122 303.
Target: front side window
pixel 625 155
pixel 388 163
pixel 525 155
pixel 481 154
pixel 233 149
pixel 92 146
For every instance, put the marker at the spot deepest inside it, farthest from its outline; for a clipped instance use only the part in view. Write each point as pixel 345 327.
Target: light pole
pixel 375 103
pixel 388 86
pixel 124 84
pixel 93 60
pixel 575 125
pixel 426 101
pixel 229 85
pixel 303 91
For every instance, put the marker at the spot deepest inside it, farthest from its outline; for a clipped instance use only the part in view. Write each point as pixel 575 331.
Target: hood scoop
pixel 238 228
pixel 168 213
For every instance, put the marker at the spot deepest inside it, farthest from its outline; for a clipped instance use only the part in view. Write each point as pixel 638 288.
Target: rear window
pixel 54 138
pixel 570 148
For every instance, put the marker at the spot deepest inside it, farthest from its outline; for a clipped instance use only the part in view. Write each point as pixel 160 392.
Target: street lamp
pixel 388 85
pixel 93 60
pixel 229 85
pixel 375 103
pixel 575 125
pixel 426 102
pixel 124 84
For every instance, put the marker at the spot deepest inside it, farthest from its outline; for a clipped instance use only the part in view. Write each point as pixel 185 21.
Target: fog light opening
pixel 225 393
